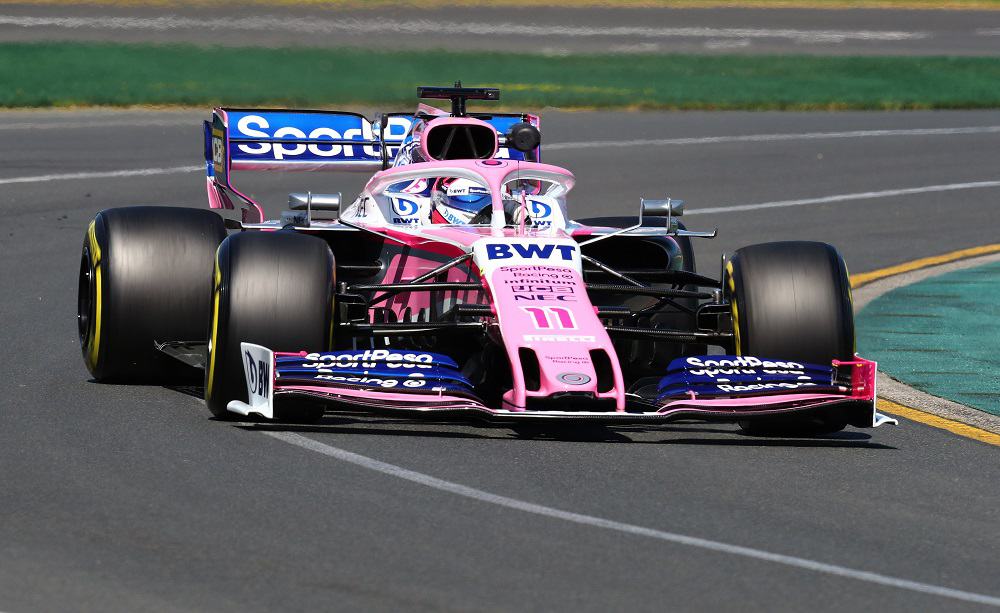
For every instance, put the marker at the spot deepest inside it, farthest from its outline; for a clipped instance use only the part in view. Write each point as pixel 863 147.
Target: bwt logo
pixel 539 209
pixel 404 207
pixel 541 213
pixel 530 251
pixel 258 375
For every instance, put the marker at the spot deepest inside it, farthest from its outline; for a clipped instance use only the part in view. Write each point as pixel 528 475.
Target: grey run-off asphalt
pixel 556 30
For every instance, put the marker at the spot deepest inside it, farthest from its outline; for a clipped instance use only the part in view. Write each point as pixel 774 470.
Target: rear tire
pixel 792 301
pixel 145 276
pixel 274 289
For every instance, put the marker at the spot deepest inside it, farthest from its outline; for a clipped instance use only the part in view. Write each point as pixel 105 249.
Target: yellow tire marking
pixel 961 254
pixel 217 283
pixel 95 260
pixel 735 309
pixel 955 427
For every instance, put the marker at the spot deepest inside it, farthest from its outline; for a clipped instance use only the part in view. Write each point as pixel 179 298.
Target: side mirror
pixel 662 208
pixel 314 202
pixel 524 137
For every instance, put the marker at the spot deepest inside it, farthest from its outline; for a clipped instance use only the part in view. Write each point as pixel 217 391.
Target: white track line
pixel 629 143
pixel 598 522
pixel 318 25
pixel 141 172
pixel 761 138
pixel 600 144
pixel 888 193
pixel 112 123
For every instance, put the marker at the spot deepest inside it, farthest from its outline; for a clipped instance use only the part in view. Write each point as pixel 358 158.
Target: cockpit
pixel 461 200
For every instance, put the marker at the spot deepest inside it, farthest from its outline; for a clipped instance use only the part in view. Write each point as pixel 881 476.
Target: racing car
pixel 457 284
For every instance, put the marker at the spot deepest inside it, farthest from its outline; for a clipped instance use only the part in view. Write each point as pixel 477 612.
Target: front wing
pixel 703 388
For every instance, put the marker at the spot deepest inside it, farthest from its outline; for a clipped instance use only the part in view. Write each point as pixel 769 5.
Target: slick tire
pixel 145 276
pixel 274 289
pixel 643 358
pixel 791 301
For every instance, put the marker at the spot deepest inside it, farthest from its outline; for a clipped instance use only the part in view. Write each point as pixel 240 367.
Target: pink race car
pixel 457 284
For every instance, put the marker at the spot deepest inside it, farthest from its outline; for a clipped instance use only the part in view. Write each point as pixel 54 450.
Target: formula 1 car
pixel 456 284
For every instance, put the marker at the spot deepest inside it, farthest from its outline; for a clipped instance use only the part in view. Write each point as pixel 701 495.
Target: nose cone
pixel 557 347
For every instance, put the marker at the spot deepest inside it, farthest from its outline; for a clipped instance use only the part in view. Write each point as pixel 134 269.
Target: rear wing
pixel 297 140
pixel 262 139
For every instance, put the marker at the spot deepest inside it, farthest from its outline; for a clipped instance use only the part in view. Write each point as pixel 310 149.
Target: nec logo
pixel 530 251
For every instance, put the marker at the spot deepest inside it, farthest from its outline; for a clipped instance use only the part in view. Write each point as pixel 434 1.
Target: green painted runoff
pixel 940 335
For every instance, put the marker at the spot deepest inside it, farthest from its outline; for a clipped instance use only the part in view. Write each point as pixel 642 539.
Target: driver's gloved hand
pixel 513 211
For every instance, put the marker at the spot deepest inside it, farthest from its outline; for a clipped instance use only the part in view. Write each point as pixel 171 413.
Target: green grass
pixel 71 74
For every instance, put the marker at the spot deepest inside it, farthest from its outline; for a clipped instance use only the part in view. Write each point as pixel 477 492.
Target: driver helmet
pixel 460 200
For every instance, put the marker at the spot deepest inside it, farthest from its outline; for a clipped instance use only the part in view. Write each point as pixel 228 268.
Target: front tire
pixel 274 289
pixel 145 275
pixel 792 301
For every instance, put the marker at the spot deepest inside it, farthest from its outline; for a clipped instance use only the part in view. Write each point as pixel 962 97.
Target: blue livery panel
pixel 502 126
pixel 730 375
pixel 273 139
pixel 377 369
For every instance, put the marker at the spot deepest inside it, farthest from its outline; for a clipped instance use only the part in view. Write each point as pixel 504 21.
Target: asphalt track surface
pixel 555 29
pixel 131 498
